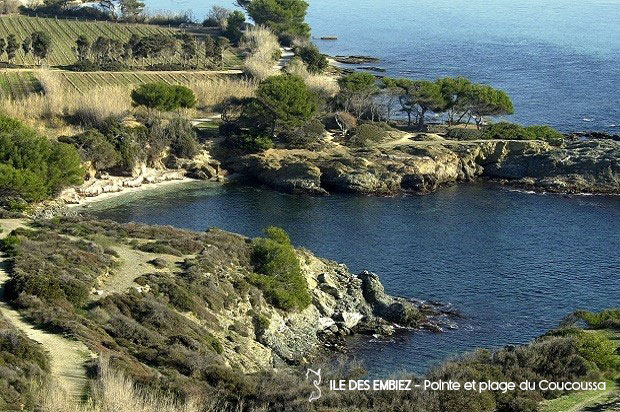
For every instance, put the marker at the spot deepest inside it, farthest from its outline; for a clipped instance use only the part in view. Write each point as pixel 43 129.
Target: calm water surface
pixel 514 263
pixel 558 59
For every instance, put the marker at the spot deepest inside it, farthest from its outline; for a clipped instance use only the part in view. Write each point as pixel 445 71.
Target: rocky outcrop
pixel 423 166
pixel 342 303
pixel 580 166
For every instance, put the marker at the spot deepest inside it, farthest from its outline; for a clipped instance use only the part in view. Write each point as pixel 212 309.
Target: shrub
pixel 305 137
pixel 458 133
pixel 182 137
pixel 249 143
pixel 162 96
pixel 314 59
pixel 606 319
pixel 366 134
pixel 95 148
pixel 33 167
pixel 278 273
pixel 511 131
pixel 23 364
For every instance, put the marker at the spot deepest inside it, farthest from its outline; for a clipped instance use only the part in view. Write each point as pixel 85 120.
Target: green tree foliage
pixel 82 48
pixel 234 26
pixel 283 17
pixel 284 101
pixel 512 131
pixel 32 167
pixel 27 45
pixel 417 97
pixel 11 47
pixel 278 273
pixel 131 9
pixel 314 59
pixel 248 142
pixel 2 46
pixel 483 100
pixel 606 319
pixel 188 47
pixel 41 43
pixel 356 92
pixel 454 92
pixel 94 147
pixel 162 96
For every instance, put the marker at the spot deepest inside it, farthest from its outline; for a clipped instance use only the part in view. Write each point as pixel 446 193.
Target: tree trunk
pixel 421 119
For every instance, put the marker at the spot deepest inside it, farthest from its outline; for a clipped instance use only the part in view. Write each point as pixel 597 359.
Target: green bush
pixel 95 148
pixel 458 133
pixel 249 143
pixel 307 136
pixel 162 96
pixel 182 137
pixel 365 135
pixel 511 131
pixel 278 273
pixel 32 167
pixel 314 59
pixel 606 319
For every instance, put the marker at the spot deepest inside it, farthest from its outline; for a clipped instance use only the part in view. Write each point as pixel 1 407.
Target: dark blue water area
pixel 513 263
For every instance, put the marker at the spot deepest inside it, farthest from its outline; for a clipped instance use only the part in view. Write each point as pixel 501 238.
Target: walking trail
pixel 67 356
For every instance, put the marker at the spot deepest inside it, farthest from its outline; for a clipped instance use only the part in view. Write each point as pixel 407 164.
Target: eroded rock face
pixel 581 166
pixel 342 303
pixel 422 167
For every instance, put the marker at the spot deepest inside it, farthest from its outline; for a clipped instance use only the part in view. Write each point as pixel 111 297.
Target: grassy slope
pixel 18 84
pixel 65 32
pixel 587 401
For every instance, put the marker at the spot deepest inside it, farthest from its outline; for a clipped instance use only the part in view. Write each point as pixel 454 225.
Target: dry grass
pixel 49 109
pixel 264 52
pixel 211 93
pixel 115 392
pixel 323 85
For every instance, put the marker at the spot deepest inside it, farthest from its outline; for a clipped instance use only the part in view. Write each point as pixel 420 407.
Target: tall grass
pixel 211 93
pixel 115 392
pixel 264 51
pixel 58 102
pixel 324 85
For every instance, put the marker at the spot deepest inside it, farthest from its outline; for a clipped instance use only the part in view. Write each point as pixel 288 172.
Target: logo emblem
pixel 316 382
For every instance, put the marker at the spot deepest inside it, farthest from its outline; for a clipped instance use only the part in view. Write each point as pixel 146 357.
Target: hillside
pixel 64 33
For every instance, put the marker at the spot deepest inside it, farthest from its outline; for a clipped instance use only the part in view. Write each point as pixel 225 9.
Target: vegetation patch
pixel 32 167
pixel 277 271
pixel 24 366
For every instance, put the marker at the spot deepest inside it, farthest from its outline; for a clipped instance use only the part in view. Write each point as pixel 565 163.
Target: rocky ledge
pixel 342 304
pixel 577 166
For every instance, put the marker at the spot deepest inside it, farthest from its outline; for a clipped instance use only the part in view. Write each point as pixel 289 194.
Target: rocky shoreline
pixel 344 304
pixel 577 166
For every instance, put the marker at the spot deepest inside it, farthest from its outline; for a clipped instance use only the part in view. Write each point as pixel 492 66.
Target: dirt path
pixel 67 356
pixel 135 263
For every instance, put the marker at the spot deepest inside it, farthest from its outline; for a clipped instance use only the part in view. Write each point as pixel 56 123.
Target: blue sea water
pixel 558 59
pixel 513 263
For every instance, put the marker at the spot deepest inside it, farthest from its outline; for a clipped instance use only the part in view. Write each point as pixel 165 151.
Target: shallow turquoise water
pixel 558 59
pixel 513 263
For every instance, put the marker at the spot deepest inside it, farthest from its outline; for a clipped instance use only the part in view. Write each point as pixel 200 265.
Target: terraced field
pixel 19 83
pixel 65 32
pixel 83 82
